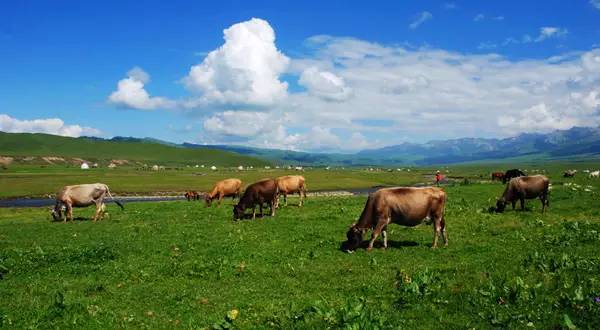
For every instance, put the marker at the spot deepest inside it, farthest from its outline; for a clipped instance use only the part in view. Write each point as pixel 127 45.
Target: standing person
pixel 438 178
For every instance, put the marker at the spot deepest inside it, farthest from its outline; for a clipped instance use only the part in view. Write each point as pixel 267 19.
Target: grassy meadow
pixel 179 264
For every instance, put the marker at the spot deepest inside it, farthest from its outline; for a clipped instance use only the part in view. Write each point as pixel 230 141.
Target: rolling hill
pixel 131 149
pixel 578 143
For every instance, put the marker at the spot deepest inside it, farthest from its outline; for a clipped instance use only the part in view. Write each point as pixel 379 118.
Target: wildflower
pixel 233 314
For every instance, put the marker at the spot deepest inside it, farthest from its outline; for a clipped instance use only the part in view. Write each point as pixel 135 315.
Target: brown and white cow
pixel 82 195
pixel 291 184
pixel 405 206
pixel 522 188
pixel 225 188
pixel 258 193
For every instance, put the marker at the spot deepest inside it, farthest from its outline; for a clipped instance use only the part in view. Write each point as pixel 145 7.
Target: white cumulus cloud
pixel 130 93
pixel 538 118
pixel 595 3
pixel 50 126
pixel 421 18
pixel 244 70
pixel 548 32
pixel 324 84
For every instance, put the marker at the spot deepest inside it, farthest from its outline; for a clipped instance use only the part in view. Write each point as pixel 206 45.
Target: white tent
pixel 241 168
pixel 85 166
pixel 214 168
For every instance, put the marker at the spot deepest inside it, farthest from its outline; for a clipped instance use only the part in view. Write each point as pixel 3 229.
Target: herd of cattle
pixel 406 206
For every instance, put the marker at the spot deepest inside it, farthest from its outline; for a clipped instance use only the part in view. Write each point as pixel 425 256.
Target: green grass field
pixel 169 264
pixel 34 181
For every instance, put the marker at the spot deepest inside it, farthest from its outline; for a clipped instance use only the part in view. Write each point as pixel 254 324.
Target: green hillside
pixel 44 145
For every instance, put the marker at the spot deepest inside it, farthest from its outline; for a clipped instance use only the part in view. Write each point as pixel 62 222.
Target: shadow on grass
pixel 379 244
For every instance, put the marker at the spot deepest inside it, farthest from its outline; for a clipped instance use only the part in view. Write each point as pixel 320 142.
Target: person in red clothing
pixel 438 178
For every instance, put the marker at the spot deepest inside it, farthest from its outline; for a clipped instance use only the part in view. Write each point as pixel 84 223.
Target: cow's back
pixel 408 206
pixel 290 183
pixel 530 186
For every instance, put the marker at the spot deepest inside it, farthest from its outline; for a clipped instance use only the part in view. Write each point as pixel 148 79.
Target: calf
pixel 290 184
pixel 595 174
pixel 405 206
pixel 82 195
pixel 525 187
pixel 225 188
pixel 264 191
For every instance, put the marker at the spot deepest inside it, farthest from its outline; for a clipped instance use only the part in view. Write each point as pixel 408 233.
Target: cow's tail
pixel 114 200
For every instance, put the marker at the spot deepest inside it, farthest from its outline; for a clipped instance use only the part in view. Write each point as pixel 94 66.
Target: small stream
pixel 40 202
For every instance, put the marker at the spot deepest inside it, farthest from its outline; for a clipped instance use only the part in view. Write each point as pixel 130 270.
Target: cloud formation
pixel 421 18
pixel 50 126
pixel 548 32
pixel 350 84
pixel 130 93
pixel 595 3
pixel 324 84
pixel 244 70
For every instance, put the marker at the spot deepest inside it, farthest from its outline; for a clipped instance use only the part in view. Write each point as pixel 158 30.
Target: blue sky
pixel 338 75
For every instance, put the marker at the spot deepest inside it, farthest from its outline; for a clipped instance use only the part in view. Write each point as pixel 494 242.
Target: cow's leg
pixel 301 198
pixel 438 229
pixel 384 236
pixel 376 231
pixel 261 209
pixel 98 210
pixel 254 212
pixel 272 204
pixel 284 199
pixel 522 201
pixel 444 232
pixel 69 212
pixel 514 203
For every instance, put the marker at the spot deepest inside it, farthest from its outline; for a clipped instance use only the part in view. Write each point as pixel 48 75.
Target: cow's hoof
pixel 349 251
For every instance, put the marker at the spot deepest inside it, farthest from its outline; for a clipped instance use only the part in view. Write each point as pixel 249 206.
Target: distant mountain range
pixel 578 143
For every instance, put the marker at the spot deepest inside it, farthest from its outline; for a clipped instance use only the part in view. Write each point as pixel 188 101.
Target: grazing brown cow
pixel 82 195
pixel 497 176
pixel 264 191
pixel 525 187
pixel 290 184
pixel 225 188
pixel 405 206
pixel 192 195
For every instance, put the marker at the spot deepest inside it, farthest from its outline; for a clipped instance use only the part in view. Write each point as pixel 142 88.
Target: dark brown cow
pixel 264 191
pixel 225 188
pixel 192 195
pixel 497 176
pixel 405 206
pixel 525 187
pixel 569 173
pixel 514 173
pixel 82 195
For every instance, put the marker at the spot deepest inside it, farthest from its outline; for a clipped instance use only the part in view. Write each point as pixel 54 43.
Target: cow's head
pixel 208 200
pixel 56 212
pixel 238 212
pixel 354 238
pixel 500 205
